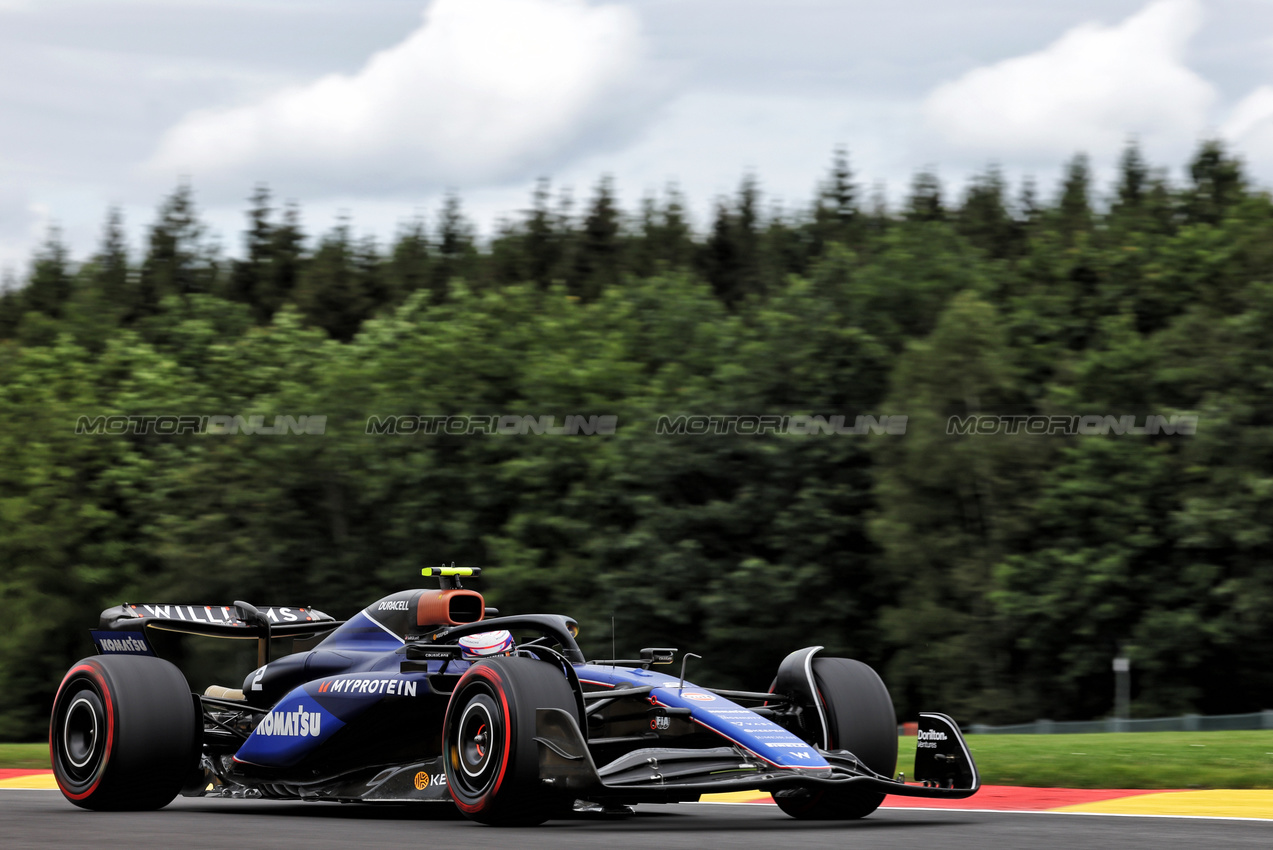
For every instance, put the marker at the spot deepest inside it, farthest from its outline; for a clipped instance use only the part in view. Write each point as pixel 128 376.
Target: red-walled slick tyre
pixel 125 734
pixel 489 749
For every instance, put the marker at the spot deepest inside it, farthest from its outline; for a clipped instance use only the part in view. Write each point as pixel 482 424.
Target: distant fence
pixel 1186 723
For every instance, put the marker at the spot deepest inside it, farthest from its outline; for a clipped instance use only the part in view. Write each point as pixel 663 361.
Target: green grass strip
pixel 24 756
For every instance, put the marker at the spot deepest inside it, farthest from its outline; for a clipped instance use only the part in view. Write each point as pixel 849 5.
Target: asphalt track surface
pixel 42 819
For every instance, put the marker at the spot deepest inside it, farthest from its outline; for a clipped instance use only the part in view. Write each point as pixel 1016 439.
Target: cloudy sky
pixel 377 107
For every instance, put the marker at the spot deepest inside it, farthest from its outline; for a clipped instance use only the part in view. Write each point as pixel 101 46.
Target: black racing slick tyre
pixel 125 734
pixel 859 714
pixel 490 754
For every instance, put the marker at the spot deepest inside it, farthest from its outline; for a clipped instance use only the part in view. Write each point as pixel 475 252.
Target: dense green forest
pixel 990 576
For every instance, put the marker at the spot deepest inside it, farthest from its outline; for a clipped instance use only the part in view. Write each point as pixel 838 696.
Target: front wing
pixel 944 767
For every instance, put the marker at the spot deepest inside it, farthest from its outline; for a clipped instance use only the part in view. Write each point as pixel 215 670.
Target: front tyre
pixel 860 718
pixel 124 734
pixel 490 754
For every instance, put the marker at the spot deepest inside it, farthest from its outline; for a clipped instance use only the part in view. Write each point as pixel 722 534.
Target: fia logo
pixel 660 723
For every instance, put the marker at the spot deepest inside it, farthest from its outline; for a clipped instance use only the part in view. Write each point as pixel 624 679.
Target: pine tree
pixel 784 246
pixel 1161 205
pixel 10 308
pixel 1218 184
pixel 335 292
pixel 1028 209
pixel 676 237
pixel 730 260
pixel 663 240
pixel 177 260
pixel 1074 208
pixel 878 218
pixel 455 247
pixel 1133 177
pixel 718 260
pixel 984 218
pixel 543 242
pixel 673 237
pixel 925 202
pixel 835 213
pixel 250 277
pixel 505 262
pixel 287 250
pixel 1143 202
pixel 409 261
pixel 49 286
pixel 597 254
pixel 266 278
pixel 747 235
pixel 377 285
pixel 111 273
pixel 643 258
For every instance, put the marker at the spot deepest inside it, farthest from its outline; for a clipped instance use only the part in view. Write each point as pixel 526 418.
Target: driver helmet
pixel 486 645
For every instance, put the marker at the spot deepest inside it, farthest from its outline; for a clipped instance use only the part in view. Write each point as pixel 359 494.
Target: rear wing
pixel 239 621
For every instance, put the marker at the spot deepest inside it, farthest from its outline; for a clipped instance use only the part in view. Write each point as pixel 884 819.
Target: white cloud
pixel 1090 91
pixel 1250 129
pixel 483 91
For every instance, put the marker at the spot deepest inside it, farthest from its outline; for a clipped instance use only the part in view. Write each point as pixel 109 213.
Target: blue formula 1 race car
pixel 429 695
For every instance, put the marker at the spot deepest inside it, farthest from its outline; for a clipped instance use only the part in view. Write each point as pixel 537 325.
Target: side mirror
pixel 658 654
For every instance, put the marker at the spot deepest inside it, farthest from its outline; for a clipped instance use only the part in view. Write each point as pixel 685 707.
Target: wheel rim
pixel 80 733
pixel 475 745
pixel 475 739
pixel 80 739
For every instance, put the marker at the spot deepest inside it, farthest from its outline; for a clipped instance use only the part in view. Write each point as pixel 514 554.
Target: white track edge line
pixel 1268 820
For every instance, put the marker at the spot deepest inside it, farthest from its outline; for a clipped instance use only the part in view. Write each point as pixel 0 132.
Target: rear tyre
pixel 124 735
pixel 860 717
pixel 490 754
